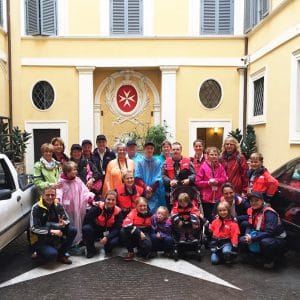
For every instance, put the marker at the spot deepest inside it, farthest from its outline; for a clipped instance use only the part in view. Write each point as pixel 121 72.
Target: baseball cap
pixel 100 137
pixel 257 195
pixel 85 142
pixel 76 147
pixel 131 143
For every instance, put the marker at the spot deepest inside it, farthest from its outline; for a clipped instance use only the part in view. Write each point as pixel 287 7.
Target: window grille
pixel 210 93
pixel 258 97
pixel 43 95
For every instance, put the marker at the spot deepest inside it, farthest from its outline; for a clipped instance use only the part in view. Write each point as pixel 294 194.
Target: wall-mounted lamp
pixel 216 130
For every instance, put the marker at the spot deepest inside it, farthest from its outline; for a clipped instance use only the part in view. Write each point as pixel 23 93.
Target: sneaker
pixel 75 250
pixel 269 265
pixel 108 254
pixel 153 254
pixel 129 256
pixel 64 260
pixel 91 253
pixel 168 254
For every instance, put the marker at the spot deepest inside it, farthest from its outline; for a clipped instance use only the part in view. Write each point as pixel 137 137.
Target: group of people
pixel 126 198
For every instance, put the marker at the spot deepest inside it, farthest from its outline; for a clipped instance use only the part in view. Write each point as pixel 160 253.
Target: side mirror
pixel 5 194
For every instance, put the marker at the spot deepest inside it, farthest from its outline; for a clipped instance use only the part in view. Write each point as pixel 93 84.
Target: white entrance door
pixel 194 125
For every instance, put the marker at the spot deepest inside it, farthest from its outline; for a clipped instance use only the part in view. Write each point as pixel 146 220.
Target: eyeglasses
pixel 228 144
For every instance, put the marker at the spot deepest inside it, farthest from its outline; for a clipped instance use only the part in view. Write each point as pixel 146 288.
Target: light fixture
pixel 216 130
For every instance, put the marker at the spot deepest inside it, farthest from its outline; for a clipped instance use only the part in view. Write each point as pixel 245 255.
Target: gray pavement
pixel 115 279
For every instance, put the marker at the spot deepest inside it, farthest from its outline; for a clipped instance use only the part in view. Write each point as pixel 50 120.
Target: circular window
pixel 43 95
pixel 210 93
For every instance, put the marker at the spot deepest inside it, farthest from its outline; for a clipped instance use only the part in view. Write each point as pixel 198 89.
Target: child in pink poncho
pixel 74 196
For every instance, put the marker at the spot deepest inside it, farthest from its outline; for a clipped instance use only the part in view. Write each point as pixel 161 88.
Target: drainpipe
pixel 10 96
pixel 245 85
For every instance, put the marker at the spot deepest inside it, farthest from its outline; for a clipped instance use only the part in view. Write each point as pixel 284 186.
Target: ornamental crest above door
pixel 126 95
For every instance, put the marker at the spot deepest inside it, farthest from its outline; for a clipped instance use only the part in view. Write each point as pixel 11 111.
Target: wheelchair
pixel 196 238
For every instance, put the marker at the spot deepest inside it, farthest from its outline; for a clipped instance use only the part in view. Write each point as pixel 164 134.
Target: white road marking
pixel 181 266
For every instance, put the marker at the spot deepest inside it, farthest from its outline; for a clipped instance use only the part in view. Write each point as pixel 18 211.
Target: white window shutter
pixel 48 17
pixel 117 16
pixel 32 16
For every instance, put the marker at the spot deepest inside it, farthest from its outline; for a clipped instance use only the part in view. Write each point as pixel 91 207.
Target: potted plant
pixel 19 141
pixel 156 134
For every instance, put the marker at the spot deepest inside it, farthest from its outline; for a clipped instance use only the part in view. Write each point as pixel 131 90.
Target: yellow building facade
pixel 80 68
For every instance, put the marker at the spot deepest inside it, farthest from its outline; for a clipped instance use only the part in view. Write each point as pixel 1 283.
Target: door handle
pixel 19 198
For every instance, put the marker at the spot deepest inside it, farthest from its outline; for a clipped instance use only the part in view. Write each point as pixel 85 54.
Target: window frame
pixel 126 33
pixel 54 95
pixel 260 119
pixel 217 19
pixel 257 10
pixel 294 128
pixel 221 98
pixel 41 28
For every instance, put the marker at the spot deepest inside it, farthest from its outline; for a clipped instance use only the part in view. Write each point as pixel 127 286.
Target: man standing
pixel 148 176
pixel 50 231
pixel 102 155
pixel 177 170
pixel 132 151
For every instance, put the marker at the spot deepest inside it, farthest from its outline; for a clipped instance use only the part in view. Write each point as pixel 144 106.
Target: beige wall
pixel 65 107
pixel 275 25
pixel 171 17
pixel 188 104
pixel 4 104
pixel 278 66
pixel 133 48
pixel 83 17
pixel 110 128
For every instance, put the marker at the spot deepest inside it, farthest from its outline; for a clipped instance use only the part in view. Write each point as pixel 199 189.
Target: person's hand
pixel 89 183
pixel 248 239
pixel 158 235
pixel 56 232
pixel 57 185
pixel 104 240
pixel 212 182
pixel 148 192
pixel 173 183
pixel 61 222
pixel 180 224
pixel 185 182
pixel 143 236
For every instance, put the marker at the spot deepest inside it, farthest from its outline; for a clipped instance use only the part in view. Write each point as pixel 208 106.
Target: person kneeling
pixel 225 234
pixel 265 236
pixel 103 221
pixel 136 230
pixel 51 234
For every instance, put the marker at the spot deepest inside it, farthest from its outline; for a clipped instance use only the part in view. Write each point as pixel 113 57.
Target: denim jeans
pixel 224 253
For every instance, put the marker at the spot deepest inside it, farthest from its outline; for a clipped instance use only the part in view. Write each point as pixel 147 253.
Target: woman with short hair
pixel 47 170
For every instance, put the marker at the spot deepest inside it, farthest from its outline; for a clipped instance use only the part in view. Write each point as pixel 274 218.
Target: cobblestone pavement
pixel 115 279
